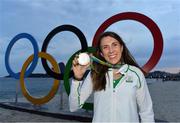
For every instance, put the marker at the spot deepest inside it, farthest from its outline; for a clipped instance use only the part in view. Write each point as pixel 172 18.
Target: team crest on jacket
pixel 129 79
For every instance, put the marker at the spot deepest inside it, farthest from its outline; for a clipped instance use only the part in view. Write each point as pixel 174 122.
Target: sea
pixel 10 91
pixel 10 87
pixel 165 94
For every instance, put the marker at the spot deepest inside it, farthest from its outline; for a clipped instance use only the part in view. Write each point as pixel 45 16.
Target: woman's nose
pixel 110 49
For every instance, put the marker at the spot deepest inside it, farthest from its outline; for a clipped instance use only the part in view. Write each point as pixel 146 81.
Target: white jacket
pixel 122 103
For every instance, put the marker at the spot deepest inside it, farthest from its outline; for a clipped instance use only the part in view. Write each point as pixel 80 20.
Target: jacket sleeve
pixel 144 100
pixel 79 93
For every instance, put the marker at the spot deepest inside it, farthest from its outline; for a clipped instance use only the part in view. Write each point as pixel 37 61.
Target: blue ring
pixel 35 59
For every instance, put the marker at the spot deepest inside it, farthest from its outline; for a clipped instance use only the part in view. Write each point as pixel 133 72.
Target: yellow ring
pixel 54 89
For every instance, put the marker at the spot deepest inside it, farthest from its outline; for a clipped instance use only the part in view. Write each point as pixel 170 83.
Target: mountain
pixel 41 75
pixel 165 76
pixel 35 75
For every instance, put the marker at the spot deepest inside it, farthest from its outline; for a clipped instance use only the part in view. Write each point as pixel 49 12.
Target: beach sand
pixel 165 97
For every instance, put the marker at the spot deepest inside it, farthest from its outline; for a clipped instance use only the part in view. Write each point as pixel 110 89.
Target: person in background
pixel 120 92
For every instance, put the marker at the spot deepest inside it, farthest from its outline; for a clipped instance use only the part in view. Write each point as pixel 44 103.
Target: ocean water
pixel 35 86
pixel 165 95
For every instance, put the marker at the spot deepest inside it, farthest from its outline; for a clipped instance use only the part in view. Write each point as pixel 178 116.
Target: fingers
pixel 75 60
pixel 75 63
pixel 78 69
pixel 86 66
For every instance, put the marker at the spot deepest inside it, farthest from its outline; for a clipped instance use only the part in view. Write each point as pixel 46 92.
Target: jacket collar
pixel 123 69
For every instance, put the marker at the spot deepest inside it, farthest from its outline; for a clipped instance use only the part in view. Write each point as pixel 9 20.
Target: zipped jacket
pixel 123 101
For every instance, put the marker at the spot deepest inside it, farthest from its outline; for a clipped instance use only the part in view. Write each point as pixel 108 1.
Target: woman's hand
pixel 78 69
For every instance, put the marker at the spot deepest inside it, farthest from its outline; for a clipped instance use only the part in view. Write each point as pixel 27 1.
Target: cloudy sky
pixel 39 17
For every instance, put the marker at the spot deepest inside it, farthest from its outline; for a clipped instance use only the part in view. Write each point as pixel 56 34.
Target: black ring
pixel 58 29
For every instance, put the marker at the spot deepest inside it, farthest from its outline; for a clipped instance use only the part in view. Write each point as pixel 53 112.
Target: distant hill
pixel 156 74
pixel 165 76
pixel 35 75
pixel 41 75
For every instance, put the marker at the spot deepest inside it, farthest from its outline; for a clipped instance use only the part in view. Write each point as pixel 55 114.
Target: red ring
pixel 149 23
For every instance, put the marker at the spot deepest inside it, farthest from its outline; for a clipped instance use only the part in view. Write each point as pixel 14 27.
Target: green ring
pixel 87 106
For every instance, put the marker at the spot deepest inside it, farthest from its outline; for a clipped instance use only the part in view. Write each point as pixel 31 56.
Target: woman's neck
pixel 116 74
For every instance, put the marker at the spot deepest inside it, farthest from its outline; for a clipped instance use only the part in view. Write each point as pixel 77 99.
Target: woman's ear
pixel 122 49
pixel 101 54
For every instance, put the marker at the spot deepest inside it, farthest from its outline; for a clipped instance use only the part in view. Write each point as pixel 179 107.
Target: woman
pixel 120 93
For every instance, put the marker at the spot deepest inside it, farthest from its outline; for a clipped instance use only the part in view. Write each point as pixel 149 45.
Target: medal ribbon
pixel 93 58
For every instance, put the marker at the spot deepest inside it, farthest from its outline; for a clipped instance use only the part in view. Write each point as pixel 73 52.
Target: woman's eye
pixel 115 44
pixel 104 47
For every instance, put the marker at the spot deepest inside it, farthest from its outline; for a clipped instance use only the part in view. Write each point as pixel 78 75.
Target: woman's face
pixel 111 50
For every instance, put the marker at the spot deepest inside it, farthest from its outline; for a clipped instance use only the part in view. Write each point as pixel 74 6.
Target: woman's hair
pixel 99 71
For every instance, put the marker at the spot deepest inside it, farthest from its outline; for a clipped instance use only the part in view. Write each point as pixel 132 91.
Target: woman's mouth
pixel 112 56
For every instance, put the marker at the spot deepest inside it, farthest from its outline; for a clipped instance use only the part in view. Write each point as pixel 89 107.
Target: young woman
pixel 120 92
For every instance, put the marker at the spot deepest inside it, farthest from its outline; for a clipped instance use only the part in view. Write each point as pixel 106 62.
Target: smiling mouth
pixel 112 56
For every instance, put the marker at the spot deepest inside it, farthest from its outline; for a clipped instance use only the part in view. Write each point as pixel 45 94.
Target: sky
pixel 39 17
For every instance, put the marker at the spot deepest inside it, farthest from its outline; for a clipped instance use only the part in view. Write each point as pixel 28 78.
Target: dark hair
pixel 99 71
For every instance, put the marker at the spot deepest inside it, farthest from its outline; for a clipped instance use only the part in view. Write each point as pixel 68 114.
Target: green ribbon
pixel 93 58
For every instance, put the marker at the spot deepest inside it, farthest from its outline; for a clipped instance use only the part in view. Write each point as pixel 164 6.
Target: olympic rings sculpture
pixel 56 74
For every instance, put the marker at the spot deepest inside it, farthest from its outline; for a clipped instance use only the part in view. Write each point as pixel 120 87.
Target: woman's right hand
pixel 78 69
